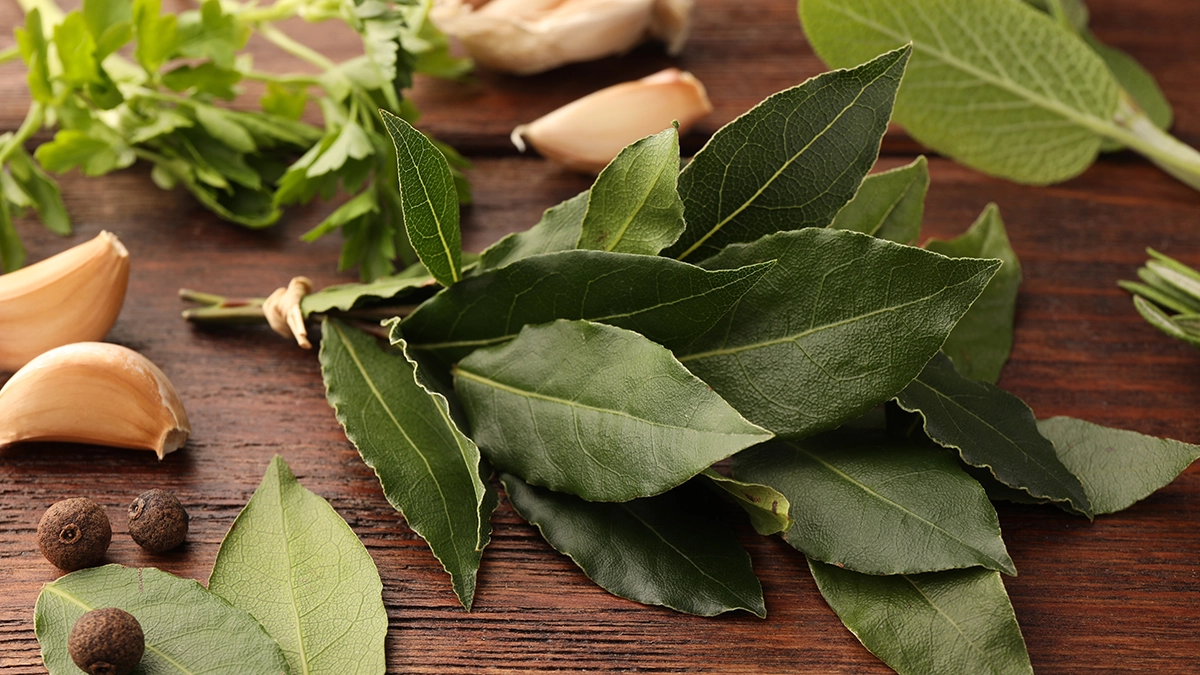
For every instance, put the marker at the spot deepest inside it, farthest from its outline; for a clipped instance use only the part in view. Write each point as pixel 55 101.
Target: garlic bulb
pixel 585 135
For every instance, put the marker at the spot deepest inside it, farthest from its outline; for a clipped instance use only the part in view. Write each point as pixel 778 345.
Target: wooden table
pixel 1117 595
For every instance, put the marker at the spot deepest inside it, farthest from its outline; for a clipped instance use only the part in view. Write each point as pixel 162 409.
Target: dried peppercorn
pixel 106 641
pixel 157 521
pixel 74 533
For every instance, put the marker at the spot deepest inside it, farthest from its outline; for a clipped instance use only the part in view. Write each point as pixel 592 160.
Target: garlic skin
pixel 74 296
pixel 585 135
pixel 97 393
pixel 532 36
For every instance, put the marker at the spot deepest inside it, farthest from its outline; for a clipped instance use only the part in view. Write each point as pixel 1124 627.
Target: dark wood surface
pixel 1116 595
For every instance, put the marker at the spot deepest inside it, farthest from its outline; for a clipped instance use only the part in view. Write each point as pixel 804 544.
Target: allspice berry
pixel 74 533
pixel 157 521
pixel 106 641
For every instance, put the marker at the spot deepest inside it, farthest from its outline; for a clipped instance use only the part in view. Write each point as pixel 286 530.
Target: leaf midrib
pixel 291 579
pixel 454 273
pixel 945 616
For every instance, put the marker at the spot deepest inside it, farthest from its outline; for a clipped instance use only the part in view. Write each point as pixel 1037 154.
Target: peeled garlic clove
pixel 97 393
pixel 671 22
pixel 587 134
pixel 74 296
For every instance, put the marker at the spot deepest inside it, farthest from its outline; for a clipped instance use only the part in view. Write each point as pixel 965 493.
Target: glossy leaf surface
pixel 889 205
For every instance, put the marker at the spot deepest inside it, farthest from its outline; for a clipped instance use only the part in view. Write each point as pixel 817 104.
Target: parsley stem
pixel 33 122
pixel 9 54
pixel 300 51
pixel 302 80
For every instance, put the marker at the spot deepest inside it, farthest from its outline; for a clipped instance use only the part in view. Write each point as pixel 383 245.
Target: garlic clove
pixel 587 134
pixel 74 296
pixel 93 392
pixel 671 22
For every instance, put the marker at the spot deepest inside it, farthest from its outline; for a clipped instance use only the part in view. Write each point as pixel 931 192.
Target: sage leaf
pixel 429 199
pixel 671 550
pixel 767 507
pixel 558 230
pixel 981 342
pixel 188 629
pixel 1117 467
pixel 429 469
pixel 634 206
pixel 991 429
pixel 668 301
pixel 297 567
pixel 841 323
pixel 878 505
pixel 597 411
pixel 792 161
pixel 889 205
pixel 958 621
pixel 1136 81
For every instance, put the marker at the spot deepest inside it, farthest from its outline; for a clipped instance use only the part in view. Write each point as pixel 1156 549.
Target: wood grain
pixel 1118 595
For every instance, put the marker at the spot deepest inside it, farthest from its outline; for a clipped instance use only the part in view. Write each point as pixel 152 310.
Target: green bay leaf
pixel 345 297
pixel 889 205
pixel 668 301
pixel 875 504
pixel 188 629
pixel 429 469
pixel 792 161
pixel 991 429
pixel 670 550
pixel 981 342
pixel 1117 467
pixel 297 567
pixel 767 507
pixel 597 411
pixel 558 230
pixel 841 323
pixel 958 621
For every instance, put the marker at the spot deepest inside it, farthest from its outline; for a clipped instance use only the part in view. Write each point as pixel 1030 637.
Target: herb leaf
pixel 980 344
pixel 991 429
pixel 767 507
pixel 959 621
pixel 347 296
pixel 1117 467
pixel 792 161
pixel 889 205
pixel 187 628
pixel 429 469
pixel 873 504
pixel 597 411
pixel 833 329
pixel 297 567
pixel 558 230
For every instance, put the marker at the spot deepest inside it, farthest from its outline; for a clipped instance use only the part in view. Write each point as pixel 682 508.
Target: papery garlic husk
pixel 97 393
pixel 531 36
pixel 585 135
pixel 74 296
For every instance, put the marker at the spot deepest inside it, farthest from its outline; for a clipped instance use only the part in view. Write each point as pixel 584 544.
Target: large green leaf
pixel 670 550
pixel 188 630
pixel 558 230
pixel 995 84
pixel 297 567
pixel 767 507
pixel 878 505
pixel 889 205
pixel 991 429
pixel 429 469
pixel 958 622
pixel 980 344
pixel 348 296
pixel 597 411
pixel 1117 467
pixel 429 198
pixel 668 301
pixel 839 325
pixel 634 206
pixel 792 161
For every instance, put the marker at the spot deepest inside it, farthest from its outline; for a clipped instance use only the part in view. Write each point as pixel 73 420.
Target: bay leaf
pixel 597 411
pixel 840 324
pixel 874 504
pixel 995 84
pixel 767 507
pixel 981 342
pixel 792 161
pixel 667 301
pixel 991 429
pixel 297 567
pixel 429 198
pixel 558 230
pixel 634 206
pixel 670 550
pixel 188 629
pixel 958 621
pixel 889 205
pixel 429 469
pixel 345 297
pixel 1117 467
